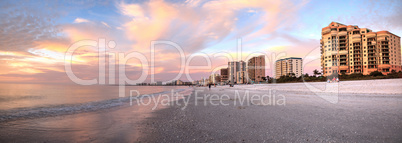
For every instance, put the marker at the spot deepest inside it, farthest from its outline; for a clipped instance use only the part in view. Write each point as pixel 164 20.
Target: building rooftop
pixel 289 58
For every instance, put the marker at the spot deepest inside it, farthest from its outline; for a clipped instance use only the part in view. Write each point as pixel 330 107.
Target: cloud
pixel 132 10
pixel 38 49
pixel 104 23
pixel 80 20
pixel 20 30
pixel 196 26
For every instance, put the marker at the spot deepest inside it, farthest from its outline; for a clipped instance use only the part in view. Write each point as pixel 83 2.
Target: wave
pixel 67 109
pixel 14 98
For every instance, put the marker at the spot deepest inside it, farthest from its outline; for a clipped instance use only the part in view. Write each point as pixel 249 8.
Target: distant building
pixel 349 49
pixel 224 75
pixel 233 68
pixel 241 77
pixel 203 81
pixel 256 68
pixel 288 66
pixel 214 79
pixel 159 83
pixel 179 82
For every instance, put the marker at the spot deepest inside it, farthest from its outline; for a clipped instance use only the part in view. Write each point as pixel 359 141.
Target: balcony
pixel 334 33
pixel 356 36
pixel 326 30
pixel 371 56
pixel 372 43
pixel 356 40
pixel 370 35
pixel 342 33
pixel 385 55
pixel 382 38
pixel 382 34
pixel 334 52
pixel 343 52
pixel 344 67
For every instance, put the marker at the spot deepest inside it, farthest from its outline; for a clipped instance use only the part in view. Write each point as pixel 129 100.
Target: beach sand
pixel 366 111
pixel 361 115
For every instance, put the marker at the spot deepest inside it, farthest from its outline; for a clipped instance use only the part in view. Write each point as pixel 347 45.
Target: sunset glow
pixel 35 38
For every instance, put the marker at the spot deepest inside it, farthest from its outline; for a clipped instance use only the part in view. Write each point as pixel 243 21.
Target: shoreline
pixel 357 117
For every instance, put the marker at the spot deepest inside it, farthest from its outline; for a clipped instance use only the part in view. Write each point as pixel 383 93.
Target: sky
pixel 188 39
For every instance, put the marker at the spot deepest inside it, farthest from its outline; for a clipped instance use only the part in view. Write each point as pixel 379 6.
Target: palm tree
pixel 316 72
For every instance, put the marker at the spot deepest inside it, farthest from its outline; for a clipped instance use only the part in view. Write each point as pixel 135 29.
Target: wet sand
pixel 118 124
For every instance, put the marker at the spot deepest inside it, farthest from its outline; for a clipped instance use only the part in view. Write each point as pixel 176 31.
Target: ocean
pixel 26 101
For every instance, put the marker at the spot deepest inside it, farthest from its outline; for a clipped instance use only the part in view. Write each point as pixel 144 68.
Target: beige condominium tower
pixel 256 68
pixel 236 70
pixel 287 66
pixel 350 49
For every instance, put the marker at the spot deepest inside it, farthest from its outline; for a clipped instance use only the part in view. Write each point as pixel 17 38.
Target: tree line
pixel 318 77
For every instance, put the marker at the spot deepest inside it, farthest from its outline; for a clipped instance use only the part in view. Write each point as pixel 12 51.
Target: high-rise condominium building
pixel 287 66
pixel 224 74
pixel 214 78
pixel 241 77
pixel 350 49
pixel 235 67
pixel 256 68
